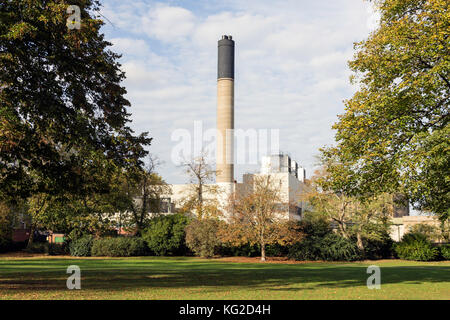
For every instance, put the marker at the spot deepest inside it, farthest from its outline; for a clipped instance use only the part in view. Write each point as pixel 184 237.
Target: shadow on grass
pixel 178 273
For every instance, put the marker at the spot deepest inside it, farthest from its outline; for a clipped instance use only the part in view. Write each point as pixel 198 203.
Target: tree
pixel 202 196
pixel 254 217
pixel 92 214
pixel 394 135
pixel 360 217
pixel 143 190
pixel 63 115
pixel 433 232
pixel 201 236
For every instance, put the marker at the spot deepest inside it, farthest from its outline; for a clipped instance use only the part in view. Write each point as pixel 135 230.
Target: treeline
pixel 180 235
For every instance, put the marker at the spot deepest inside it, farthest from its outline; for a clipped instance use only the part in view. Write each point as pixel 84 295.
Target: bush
pixel 57 249
pixel 307 250
pixel 12 246
pixel 201 237
pixel 337 248
pixel 81 247
pixel 276 250
pixel 118 247
pixel 416 246
pixel 331 247
pixel 445 251
pixel 314 226
pixel 245 250
pixel 321 243
pixel 166 235
pixel 5 244
pixel 37 247
pixel 378 249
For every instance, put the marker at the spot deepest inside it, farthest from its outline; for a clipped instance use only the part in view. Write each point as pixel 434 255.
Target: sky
pixel 291 68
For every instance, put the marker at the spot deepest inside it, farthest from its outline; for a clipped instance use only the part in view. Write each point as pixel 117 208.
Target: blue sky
pixel 291 67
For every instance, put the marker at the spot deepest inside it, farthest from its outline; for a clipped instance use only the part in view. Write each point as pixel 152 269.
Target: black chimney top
pixel 225 67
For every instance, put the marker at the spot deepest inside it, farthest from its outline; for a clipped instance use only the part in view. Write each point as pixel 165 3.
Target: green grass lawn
pixel 192 278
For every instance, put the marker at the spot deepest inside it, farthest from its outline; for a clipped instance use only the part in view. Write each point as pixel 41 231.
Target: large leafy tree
pixel 63 115
pixel 394 135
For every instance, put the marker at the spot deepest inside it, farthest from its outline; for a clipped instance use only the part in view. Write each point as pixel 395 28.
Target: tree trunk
pixel 263 252
pixel 359 241
pixel 263 249
pixel 200 200
pixel 31 238
pixel 343 229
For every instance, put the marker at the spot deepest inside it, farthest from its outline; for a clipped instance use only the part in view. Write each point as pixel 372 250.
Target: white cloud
pixel 131 47
pixel 291 67
pixel 167 23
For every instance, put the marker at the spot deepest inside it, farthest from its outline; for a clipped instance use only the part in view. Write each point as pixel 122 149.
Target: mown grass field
pixel 193 278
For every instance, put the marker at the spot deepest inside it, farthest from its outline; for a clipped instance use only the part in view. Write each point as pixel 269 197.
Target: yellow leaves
pixel 20 30
pixel 43 19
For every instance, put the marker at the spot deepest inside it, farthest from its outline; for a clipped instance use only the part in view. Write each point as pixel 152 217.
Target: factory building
pixel 286 176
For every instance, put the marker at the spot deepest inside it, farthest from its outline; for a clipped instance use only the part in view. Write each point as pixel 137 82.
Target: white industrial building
pixel 287 176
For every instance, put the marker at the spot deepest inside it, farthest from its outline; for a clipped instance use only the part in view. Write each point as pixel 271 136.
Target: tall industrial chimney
pixel 225 111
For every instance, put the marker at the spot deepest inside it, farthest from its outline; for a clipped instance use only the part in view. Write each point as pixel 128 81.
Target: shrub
pixel 81 247
pixel 5 244
pixel 378 249
pixel 331 247
pixel 245 250
pixel 166 235
pixel 445 251
pixel 308 249
pixel 277 250
pixel 201 237
pixel 416 246
pixel 118 247
pixel 12 246
pixel 337 248
pixel 57 249
pixel 314 226
pixel 37 247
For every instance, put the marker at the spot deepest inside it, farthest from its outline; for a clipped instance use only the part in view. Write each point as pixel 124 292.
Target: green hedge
pixel 81 247
pixel 416 246
pixel 165 235
pixel 119 247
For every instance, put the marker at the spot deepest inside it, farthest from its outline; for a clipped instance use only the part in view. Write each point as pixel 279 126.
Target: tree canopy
pixel 64 120
pixel 394 135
